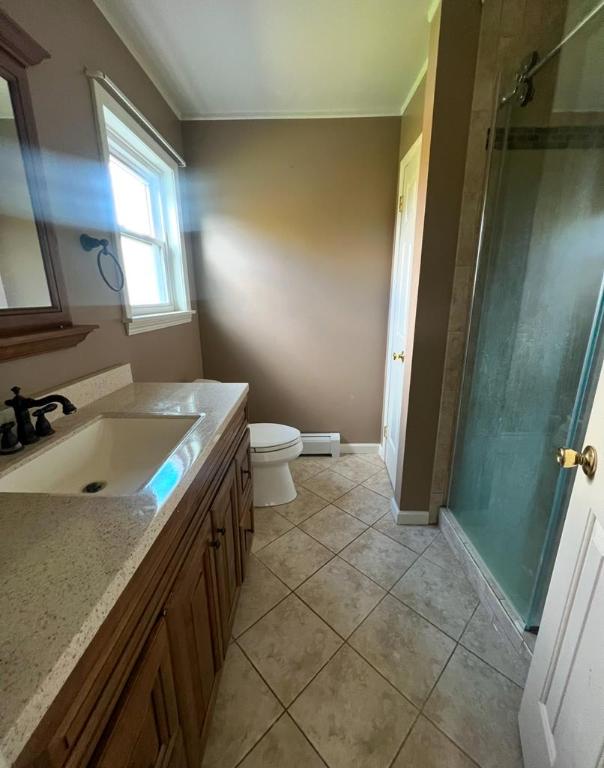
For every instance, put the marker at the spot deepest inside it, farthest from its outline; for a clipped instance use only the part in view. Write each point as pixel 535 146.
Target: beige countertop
pixel 65 560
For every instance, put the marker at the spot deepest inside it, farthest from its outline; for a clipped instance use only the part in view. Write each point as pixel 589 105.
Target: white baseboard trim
pixel 381 451
pixel 360 448
pixel 408 517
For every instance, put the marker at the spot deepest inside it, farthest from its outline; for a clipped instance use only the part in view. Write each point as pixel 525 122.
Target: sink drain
pixel 94 487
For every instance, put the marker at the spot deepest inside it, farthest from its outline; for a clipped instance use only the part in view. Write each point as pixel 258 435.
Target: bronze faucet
pixel 21 405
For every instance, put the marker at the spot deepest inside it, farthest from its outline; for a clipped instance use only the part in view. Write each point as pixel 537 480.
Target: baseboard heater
pixel 321 443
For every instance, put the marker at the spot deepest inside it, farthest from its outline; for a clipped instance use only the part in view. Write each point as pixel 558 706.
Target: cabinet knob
pixel 221 531
pixel 215 544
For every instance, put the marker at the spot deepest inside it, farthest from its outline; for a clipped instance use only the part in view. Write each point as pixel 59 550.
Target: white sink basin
pixel 119 453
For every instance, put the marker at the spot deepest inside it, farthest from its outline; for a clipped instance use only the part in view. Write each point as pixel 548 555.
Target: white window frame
pixel 122 137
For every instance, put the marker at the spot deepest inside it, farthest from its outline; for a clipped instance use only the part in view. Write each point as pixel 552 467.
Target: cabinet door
pixel 145 730
pixel 244 465
pixel 246 531
pixel 191 617
pixel 225 525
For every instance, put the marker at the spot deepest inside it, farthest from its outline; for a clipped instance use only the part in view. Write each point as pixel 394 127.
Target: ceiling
pixel 277 58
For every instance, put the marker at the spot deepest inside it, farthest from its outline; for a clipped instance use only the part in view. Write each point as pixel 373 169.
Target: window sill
pixel 144 323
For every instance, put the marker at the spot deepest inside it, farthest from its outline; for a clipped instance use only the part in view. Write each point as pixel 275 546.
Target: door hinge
pixel 385 430
pixel 401 201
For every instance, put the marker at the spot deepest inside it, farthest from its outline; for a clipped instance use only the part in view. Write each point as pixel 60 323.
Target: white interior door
pixel 562 713
pixel 399 307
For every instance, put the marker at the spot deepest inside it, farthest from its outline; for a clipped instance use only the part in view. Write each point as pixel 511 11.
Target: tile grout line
pixel 345 640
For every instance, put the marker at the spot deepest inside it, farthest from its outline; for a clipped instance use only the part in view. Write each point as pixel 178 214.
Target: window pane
pixel 145 272
pixel 132 198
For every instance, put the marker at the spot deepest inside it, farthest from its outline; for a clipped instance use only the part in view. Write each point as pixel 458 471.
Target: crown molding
pixel 290 115
pixel 420 76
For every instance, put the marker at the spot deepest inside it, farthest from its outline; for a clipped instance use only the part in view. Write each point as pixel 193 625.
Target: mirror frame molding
pixel 28 331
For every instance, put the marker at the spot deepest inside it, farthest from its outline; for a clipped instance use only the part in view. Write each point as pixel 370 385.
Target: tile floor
pixel 359 643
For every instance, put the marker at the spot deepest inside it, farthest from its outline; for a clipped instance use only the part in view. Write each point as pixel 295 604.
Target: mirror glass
pixel 23 281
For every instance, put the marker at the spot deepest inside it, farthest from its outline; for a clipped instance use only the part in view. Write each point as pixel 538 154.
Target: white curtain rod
pixel 135 113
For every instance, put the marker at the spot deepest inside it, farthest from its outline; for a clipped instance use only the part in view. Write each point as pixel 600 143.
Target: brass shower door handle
pixel 398 356
pixel 587 459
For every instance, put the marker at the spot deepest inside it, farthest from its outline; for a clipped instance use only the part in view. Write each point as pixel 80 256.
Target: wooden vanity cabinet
pixel 145 729
pixel 142 694
pixel 195 641
pixel 225 527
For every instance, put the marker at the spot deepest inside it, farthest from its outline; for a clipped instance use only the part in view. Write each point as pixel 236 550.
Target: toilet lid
pixel 265 437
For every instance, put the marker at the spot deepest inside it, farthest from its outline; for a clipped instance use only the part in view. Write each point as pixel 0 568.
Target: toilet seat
pixel 267 438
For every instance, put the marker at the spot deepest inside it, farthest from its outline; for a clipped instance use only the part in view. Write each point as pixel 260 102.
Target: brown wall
pixel 412 119
pixel 77 35
pixel 293 223
pixel 448 97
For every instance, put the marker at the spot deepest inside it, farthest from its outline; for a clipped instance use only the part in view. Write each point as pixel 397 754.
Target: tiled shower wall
pixel 510 29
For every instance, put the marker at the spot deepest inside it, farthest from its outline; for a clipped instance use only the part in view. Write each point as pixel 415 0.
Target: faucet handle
pixel 9 442
pixel 43 426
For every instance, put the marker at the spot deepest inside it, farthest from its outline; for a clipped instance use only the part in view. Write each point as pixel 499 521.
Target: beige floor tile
pixel 341 595
pixel 284 746
pixel 260 592
pixel 268 525
pixel 478 708
pixel 304 505
pixel 408 650
pixel 294 557
pixel 329 485
pixel 379 557
pixel 371 458
pixel 289 646
pixel 354 468
pixel 446 598
pixel 427 747
pixel 486 641
pixel 440 552
pixel 416 537
pixel 245 709
pixel 365 504
pixel 304 467
pixel 333 528
pixel 352 716
pixel 380 483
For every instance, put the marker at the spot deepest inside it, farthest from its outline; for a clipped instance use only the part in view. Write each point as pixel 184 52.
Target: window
pixel 148 237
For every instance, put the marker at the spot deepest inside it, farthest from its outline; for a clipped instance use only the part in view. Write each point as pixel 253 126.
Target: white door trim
pixel 413 154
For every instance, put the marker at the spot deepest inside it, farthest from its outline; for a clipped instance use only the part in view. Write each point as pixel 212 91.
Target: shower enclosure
pixel 534 339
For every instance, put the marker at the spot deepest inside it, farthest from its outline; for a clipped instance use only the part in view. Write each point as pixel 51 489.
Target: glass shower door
pixel 535 320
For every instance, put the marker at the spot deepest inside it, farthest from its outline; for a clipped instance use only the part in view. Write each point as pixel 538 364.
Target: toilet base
pixel 273 485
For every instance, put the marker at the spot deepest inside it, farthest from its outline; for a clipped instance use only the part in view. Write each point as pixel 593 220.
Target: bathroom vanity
pixel 118 609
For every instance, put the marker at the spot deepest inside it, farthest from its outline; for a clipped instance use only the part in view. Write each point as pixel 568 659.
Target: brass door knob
pixel 398 356
pixel 587 460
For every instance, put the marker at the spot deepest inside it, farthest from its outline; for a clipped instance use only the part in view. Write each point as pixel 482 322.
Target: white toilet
pixel 273 446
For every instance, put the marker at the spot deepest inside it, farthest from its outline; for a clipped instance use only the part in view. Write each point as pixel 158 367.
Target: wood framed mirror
pixel 34 314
